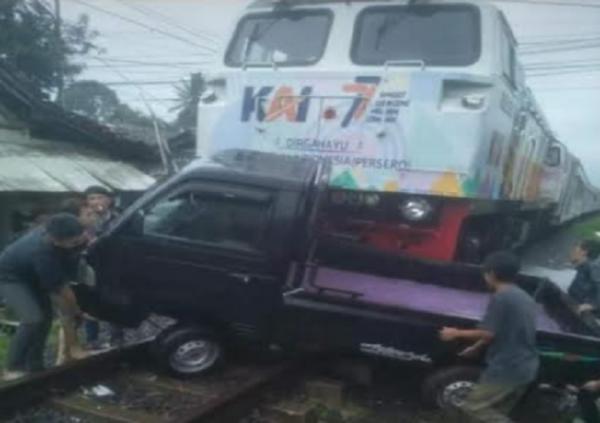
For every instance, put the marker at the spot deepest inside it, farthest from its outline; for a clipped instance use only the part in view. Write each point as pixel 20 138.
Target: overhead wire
pixel 162 147
pixel 167 19
pixel 537 74
pixel 559 49
pixel 143 25
pixel 565 3
pixel 122 62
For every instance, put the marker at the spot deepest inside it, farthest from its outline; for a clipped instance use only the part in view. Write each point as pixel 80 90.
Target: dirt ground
pixel 394 396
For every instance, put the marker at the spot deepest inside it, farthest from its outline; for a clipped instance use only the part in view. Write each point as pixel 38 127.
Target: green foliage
pixel 92 99
pixel 28 41
pixel 97 101
pixel 590 229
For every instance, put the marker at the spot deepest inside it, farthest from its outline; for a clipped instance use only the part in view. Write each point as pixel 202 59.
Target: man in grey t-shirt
pixel 508 331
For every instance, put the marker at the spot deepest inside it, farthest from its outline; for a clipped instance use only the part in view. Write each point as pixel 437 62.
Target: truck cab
pixel 221 236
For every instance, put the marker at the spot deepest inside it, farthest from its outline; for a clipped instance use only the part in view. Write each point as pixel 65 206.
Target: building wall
pixel 21 211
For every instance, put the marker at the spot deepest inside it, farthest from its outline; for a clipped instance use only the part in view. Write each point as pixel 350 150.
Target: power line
pixel 122 63
pixel 561 49
pixel 557 41
pixel 562 65
pixel 166 19
pixel 553 3
pixel 163 149
pixel 554 36
pixel 538 74
pixel 592 87
pixel 143 25
pixel 140 83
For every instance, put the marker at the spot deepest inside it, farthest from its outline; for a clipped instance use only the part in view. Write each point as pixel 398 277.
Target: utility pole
pixel 59 52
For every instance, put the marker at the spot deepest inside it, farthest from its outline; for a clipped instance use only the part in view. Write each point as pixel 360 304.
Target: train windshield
pixel 292 38
pixel 446 35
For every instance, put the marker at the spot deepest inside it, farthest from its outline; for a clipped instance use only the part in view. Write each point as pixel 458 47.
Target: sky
pixel 150 44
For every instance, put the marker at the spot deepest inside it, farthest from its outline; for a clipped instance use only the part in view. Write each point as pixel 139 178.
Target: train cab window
pixel 553 157
pixel 509 55
pixel 288 38
pixel 221 219
pixel 437 35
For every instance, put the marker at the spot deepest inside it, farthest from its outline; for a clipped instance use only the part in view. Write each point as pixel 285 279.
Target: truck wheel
pixel 448 387
pixel 188 351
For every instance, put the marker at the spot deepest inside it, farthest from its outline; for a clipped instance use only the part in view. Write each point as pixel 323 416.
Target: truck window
pixel 221 220
pixel 282 38
pixel 447 35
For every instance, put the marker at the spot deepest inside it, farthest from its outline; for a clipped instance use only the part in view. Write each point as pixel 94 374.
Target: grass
pixel 4 338
pixel 589 229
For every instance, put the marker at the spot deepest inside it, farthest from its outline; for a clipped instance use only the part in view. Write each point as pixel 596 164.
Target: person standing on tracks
pixel 585 289
pixel 101 201
pixel 34 275
pixel 508 331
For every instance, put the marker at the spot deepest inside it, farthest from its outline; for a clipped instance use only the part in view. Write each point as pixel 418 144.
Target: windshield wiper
pixel 257 34
pixel 388 23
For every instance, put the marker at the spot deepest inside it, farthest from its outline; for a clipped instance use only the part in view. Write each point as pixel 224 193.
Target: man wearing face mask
pixel 34 272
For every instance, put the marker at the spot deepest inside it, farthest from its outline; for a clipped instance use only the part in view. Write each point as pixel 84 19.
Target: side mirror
pixel 135 224
pixel 553 156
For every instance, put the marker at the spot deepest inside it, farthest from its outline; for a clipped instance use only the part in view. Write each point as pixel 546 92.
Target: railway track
pixel 122 386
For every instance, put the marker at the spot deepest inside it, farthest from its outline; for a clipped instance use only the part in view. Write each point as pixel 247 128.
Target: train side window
pixel 553 157
pixel 218 219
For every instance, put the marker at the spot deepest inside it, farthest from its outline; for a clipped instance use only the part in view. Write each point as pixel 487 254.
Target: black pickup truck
pixel 235 252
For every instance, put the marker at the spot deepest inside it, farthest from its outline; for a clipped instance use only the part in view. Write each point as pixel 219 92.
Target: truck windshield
pixel 447 35
pixel 282 38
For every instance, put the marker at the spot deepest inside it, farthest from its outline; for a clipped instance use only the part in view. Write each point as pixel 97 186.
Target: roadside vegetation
pixel 590 228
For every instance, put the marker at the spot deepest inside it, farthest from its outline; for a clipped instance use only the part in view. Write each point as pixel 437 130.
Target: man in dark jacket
pixel 34 272
pixel 585 289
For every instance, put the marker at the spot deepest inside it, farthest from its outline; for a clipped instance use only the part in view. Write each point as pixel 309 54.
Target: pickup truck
pixel 232 249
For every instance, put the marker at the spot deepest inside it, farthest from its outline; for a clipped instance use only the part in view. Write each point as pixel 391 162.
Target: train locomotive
pixel 437 147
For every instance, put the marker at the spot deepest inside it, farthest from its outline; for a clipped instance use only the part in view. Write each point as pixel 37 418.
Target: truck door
pixel 199 251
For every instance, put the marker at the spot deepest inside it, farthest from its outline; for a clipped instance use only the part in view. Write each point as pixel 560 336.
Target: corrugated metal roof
pixel 30 165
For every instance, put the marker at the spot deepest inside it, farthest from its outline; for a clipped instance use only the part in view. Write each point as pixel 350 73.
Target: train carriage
pixel 437 147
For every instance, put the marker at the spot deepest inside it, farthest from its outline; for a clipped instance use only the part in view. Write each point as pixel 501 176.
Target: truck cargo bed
pixel 409 295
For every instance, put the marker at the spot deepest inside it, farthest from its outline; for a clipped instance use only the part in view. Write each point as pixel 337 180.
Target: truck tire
pixel 188 351
pixel 446 388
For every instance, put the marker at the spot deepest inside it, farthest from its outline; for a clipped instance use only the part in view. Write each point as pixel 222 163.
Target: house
pixel 47 154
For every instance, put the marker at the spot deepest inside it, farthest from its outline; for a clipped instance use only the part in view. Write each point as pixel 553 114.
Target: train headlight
pixel 416 209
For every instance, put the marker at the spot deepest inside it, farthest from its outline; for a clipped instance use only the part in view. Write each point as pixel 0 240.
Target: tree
pixel 188 97
pixel 97 101
pixel 92 99
pixel 28 41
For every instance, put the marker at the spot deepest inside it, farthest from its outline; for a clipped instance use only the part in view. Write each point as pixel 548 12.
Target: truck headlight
pixel 416 209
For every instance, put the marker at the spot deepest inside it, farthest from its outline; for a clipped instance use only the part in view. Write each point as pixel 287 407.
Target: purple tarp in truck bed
pixel 412 295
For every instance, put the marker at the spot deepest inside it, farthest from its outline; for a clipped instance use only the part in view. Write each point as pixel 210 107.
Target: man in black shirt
pixel 585 288
pixel 34 272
